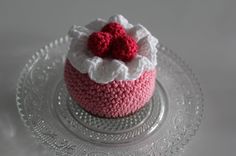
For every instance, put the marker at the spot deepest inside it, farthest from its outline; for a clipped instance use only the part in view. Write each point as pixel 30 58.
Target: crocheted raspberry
pixel 124 48
pixel 99 43
pixel 115 29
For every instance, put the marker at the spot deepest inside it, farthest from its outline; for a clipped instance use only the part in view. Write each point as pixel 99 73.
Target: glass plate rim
pixel 168 52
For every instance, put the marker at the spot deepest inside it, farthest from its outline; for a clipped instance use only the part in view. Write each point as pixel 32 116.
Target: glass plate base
pixel 162 127
pixel 109 131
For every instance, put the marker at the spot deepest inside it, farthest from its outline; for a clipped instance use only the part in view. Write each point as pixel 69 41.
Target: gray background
pixel 202 32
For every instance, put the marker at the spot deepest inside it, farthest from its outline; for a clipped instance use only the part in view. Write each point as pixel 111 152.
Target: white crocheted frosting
pixel 105 70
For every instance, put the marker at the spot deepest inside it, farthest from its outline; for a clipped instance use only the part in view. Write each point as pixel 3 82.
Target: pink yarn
pixel 115 99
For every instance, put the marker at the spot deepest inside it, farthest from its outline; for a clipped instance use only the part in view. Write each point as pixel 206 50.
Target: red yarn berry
pixel 115 29
pixel 99 43
pixel 124 48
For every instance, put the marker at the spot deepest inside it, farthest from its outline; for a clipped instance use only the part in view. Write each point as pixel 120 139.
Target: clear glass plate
pixel 162 127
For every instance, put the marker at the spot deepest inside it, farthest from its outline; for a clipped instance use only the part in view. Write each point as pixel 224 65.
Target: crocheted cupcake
pixel 110 69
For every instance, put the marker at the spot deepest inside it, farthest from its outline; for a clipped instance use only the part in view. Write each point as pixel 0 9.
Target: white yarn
pixel 104 70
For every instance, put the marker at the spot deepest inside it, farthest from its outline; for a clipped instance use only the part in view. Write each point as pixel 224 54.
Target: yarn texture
pixel 111 100
pixel 110 69
pixel 124 48
pixel 104 70
pixel 99 43
pixel 115 29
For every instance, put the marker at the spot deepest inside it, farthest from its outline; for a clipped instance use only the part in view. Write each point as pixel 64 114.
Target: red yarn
pixel 113 40
pixel 99 43
pixel 114 99
pixel 124 48
pixel 115 29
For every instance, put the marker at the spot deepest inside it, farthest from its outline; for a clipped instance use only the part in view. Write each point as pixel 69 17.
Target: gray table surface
pixel 202 32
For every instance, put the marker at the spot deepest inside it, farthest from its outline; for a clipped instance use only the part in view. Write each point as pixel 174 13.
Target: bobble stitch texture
pixel 115 29
pixel 99 43
pixel 124 48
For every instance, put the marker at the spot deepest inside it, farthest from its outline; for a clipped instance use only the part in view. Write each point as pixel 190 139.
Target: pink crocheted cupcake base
pixel 111 100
